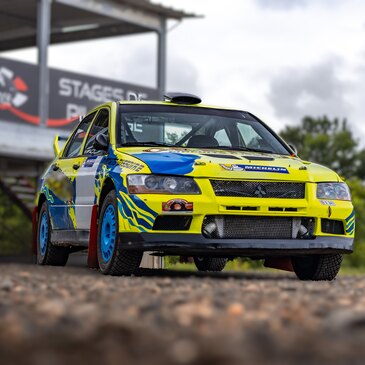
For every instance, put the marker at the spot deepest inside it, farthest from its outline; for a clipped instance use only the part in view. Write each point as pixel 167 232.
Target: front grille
pixel 332 226
pixel 172 223
pixel 258 189
pixel 236 226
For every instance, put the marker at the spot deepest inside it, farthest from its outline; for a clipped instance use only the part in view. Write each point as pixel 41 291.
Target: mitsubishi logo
pixel 260 191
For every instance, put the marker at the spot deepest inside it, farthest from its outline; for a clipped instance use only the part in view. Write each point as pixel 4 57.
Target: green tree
pixel 358 198
pixel 328 142
pixel 15 228
pixel 332 143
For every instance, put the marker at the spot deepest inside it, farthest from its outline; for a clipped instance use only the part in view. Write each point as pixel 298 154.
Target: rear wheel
pixel 114 260
pixel 317 267
pixel 47 254
pixel 210 263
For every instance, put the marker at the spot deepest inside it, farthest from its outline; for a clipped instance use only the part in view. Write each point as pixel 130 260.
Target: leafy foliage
pixel 15 228
pixel 332 143
pixel 328 142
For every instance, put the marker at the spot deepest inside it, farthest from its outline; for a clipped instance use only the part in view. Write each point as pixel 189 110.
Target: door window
pixel 74 146
pixel 100 126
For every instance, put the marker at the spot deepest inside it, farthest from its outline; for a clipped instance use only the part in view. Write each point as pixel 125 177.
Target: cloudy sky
pixel 280 59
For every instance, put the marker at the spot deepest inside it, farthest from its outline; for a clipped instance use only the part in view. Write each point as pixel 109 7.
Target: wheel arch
pixel 42 198
pixel 108 186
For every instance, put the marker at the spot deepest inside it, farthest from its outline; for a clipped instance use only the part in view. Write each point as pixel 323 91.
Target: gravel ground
pixel 74 315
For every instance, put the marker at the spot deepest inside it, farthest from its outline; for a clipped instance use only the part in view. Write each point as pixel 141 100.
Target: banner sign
pixel 71 94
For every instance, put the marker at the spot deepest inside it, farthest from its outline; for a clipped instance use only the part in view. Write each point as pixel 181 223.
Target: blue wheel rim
pixel 43 234
pixel 108 230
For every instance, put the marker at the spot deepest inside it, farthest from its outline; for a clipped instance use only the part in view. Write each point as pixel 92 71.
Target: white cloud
pixel 282 4
pixel 315 91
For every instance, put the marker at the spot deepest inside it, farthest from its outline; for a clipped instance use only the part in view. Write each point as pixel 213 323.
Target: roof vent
pixel 181 98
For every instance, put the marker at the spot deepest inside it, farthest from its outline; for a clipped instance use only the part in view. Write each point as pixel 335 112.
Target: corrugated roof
pixel 18 20
pixel 159 9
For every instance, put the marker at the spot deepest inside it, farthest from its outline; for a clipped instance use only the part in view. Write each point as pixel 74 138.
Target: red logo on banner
pixel 13 95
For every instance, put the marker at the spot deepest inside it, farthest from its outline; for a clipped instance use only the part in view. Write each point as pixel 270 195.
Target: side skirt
pixel 79 237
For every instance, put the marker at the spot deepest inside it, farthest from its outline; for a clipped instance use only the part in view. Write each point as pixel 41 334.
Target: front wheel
pixel 47 254
pixel 210 263
pixel 317 267
pixel 114 260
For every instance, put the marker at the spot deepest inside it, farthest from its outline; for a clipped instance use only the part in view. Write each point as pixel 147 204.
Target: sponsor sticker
pixel 90 161
pixel 256 168
pixel 131 165
pixel 329 203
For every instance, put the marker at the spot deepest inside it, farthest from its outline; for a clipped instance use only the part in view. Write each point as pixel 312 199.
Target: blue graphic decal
pixel 131 207
pixel 350 223
pixel 60 217
pixel 168 162
pixel 352 215
pixel 61 202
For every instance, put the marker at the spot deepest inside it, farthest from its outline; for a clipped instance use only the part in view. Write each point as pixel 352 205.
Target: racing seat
pixel 201 141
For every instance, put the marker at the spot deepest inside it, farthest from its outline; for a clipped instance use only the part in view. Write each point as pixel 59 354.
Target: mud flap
pixel 280 263
pixel 92 256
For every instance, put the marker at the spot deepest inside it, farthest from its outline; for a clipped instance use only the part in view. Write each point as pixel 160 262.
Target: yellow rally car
pixel 180 178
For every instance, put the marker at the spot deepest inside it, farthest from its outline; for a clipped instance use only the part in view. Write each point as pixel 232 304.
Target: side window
pixel 74 146
pixel 222 138
pixel 250 137
pixel 100 126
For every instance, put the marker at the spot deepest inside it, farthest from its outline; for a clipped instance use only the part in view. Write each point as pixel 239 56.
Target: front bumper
pixel 195 244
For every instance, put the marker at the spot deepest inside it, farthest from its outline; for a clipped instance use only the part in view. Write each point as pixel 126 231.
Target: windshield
pixel 190 127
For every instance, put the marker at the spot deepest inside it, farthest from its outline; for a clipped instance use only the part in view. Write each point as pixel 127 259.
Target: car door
pixel 85 179
pixel 64 173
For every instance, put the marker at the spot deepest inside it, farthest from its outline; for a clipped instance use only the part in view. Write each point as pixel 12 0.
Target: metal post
pixel 161 61
pixel 43 39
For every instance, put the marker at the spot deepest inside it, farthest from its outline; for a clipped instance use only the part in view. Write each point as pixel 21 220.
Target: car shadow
pixel 79 261
pixel 225 275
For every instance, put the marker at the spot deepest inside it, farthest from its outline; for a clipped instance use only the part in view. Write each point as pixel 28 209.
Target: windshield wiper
pixel 234 148
pixel 148 143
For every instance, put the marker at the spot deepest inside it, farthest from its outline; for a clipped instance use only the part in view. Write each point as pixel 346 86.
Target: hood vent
pixel 259 158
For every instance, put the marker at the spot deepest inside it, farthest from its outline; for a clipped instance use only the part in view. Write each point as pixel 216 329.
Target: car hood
pixel 218 163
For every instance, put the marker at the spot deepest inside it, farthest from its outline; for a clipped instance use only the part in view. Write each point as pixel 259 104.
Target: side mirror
pixel 56 144
pixel 293 148
pixel 101 142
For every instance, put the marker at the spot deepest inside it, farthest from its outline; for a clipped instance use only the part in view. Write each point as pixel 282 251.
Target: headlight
pixel 159 184
pixel 333 191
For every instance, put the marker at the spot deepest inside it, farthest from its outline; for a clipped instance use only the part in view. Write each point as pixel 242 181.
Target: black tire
pixel 121 261
pixel 317 267
pixel 210 263
pixel 49 254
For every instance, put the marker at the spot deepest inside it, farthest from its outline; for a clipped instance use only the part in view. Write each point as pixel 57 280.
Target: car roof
pixel 168 103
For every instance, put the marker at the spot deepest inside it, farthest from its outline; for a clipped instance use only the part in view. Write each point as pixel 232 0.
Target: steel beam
pixel 43 39
pixel 116 11
pixel 161 58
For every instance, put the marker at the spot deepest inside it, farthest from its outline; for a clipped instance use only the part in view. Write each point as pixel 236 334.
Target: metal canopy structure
pixel 76 20
pixel 44 22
